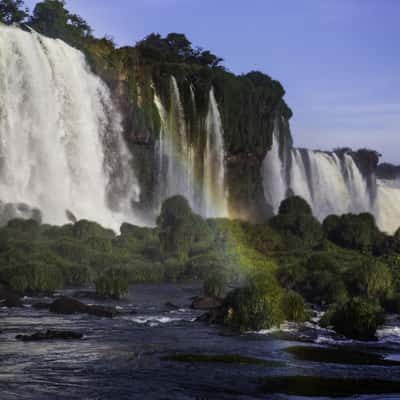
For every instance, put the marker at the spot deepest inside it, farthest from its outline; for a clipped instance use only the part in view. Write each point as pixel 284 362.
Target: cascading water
pixel 186 168
pixel 215 200
pixel 387 205
pixel 176 164
pixel 61 146
pixel 273 173
pixel 330 183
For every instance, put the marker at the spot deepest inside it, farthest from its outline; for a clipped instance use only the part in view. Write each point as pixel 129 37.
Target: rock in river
pixel 68 305
pixel 50 335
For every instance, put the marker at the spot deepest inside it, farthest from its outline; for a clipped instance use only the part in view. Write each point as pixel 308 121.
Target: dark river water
pixel 122 358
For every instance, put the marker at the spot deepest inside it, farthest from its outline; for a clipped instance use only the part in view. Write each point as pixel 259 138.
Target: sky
pixel 338 60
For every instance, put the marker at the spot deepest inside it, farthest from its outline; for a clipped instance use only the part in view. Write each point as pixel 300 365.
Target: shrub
pixel 203 265
pixel 112 283
pixel 323 282
pixel 255 306
pixel 293 306
pixel 357 319
pixel 215 284
pixel 173 269
pixel 371 279
pixel 33 276
pixel 85 229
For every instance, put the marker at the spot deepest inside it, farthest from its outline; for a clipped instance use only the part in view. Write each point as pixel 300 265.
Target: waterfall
pixel 215 201
pixel 189 167
pixel 273 173
pixel 387 205
pixel 331 184
pixel 61 146
pixel 175 154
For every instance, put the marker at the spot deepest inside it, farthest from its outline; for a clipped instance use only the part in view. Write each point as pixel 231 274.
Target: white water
pixel 199 176
pixel 215 199
pixel 331 185
pixel 176 164
pixel 273 174
pixel 61 146
pixel 387 205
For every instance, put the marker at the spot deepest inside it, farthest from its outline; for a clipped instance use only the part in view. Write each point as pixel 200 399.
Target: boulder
pixel 171 306
pixel 68 305
pixel 205 303
pixel 101 311
pixel 213 316
pixel 9 298
pixel 50 335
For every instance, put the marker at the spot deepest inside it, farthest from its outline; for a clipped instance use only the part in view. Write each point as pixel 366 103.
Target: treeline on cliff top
pixel 248 103
pixel 345 265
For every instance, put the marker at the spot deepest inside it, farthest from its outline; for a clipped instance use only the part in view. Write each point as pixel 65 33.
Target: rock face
pixel 68 305
pixel 50 335
pixel 9 298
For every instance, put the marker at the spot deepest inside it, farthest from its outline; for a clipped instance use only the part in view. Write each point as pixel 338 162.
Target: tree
pixel 358 232
pixel 294 205
pixel 12 11
pixel 179 45
pixel 296 222
pixel 51 18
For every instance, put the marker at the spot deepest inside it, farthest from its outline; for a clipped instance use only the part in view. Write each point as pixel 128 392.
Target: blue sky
pixel 339 60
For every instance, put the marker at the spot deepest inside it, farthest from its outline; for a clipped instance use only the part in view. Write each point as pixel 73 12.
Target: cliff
pixel 248 105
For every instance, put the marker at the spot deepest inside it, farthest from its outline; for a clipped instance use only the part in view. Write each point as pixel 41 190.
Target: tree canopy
pixel 175 48
pixel 12 11
pixel 51 18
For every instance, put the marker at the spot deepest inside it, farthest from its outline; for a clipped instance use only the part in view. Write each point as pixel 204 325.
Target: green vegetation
pixel 12 11
pixel 273 268
pixel 113 283
pixel 215 284
pixel 330 387
pixel 255 306
pixel 292 304
pixel 222 359
pixel 357 319
pixel 345 264
pixel 352 231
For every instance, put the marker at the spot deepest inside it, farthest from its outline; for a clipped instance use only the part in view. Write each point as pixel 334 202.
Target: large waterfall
pixel 61 148
pixel 62 153
pixel 330 182
pixel 192 166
